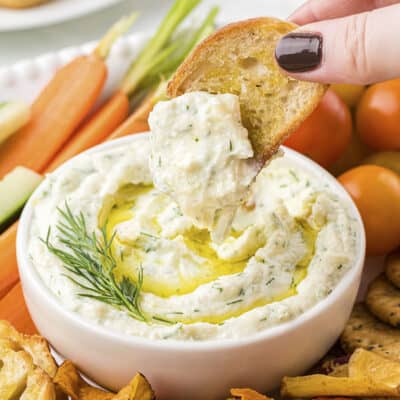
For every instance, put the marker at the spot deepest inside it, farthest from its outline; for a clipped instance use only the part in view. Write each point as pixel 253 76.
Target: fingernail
pixel 299 51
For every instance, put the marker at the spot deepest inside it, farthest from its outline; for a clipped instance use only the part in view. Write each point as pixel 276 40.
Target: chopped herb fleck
pixel 149 235
pixel 234 302
pixel 270 281
pixel 295 177
pixel 230 145
pixel 292 283
pixel 178 212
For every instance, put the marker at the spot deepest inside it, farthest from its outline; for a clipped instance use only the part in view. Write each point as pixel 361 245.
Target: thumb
pixel 358 49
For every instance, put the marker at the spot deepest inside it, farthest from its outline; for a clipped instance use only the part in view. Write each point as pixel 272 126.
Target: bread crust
pixel 192 63
pixel 188 66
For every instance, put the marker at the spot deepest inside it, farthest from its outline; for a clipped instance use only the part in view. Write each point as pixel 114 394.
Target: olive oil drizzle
pixel 129 260
pixel 198 241
pixel 300 273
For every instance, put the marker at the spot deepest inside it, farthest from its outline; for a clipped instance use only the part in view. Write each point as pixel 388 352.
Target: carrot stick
pixel 55 114
pixel 8 266
pixel 154 60
pixel 14 310
pixel 115 111
pixel 60 108
pixel 99 126
pixel 137 122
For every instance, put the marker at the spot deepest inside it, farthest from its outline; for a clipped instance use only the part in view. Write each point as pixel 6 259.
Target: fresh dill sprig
pixel 91 263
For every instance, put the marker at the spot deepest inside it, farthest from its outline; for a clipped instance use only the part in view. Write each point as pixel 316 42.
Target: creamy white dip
pixel 202 157
pixel 289 246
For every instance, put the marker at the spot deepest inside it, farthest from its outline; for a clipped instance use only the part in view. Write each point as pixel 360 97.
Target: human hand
pixel 343 41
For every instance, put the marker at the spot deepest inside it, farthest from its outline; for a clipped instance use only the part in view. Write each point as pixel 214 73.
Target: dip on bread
pixel 202 157
pixel 289 244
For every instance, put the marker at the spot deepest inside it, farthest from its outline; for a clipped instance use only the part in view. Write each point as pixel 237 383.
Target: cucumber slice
pixel 13 116
pixel 15 189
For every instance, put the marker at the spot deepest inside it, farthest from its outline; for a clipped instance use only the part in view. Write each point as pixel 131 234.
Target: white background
pixel 20 45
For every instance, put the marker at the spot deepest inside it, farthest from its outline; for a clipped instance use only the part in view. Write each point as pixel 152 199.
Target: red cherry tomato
pixel 326 133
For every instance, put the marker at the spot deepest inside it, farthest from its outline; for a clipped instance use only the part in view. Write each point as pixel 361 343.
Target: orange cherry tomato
pixel 326 133
pixel 376 192
pixel 378 116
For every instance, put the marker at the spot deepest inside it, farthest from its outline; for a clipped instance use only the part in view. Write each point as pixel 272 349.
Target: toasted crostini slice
pixel 240 59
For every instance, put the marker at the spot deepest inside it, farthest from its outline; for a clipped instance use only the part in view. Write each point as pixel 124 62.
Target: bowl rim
pixel 30 276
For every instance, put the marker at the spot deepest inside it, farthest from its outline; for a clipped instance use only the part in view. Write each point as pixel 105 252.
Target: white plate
pixel 49 14
pixel 24 80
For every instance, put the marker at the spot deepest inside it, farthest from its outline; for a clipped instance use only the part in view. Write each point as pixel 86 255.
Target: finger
pixel 317 10
pixel 359 49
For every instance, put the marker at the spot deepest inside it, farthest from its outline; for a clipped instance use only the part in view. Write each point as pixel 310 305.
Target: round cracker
pixel 392 268
pixel 366 331
pixel 383 300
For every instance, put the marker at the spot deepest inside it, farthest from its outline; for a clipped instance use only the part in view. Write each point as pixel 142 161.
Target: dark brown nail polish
pixel 299 51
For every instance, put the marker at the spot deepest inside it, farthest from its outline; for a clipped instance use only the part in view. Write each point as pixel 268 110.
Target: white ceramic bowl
pixel 193 370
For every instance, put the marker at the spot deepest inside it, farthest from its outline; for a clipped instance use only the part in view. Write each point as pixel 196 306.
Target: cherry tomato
pixel 350 94
pixel 326 133
pixel 378 116
pixel 376 192
pixel 352 157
